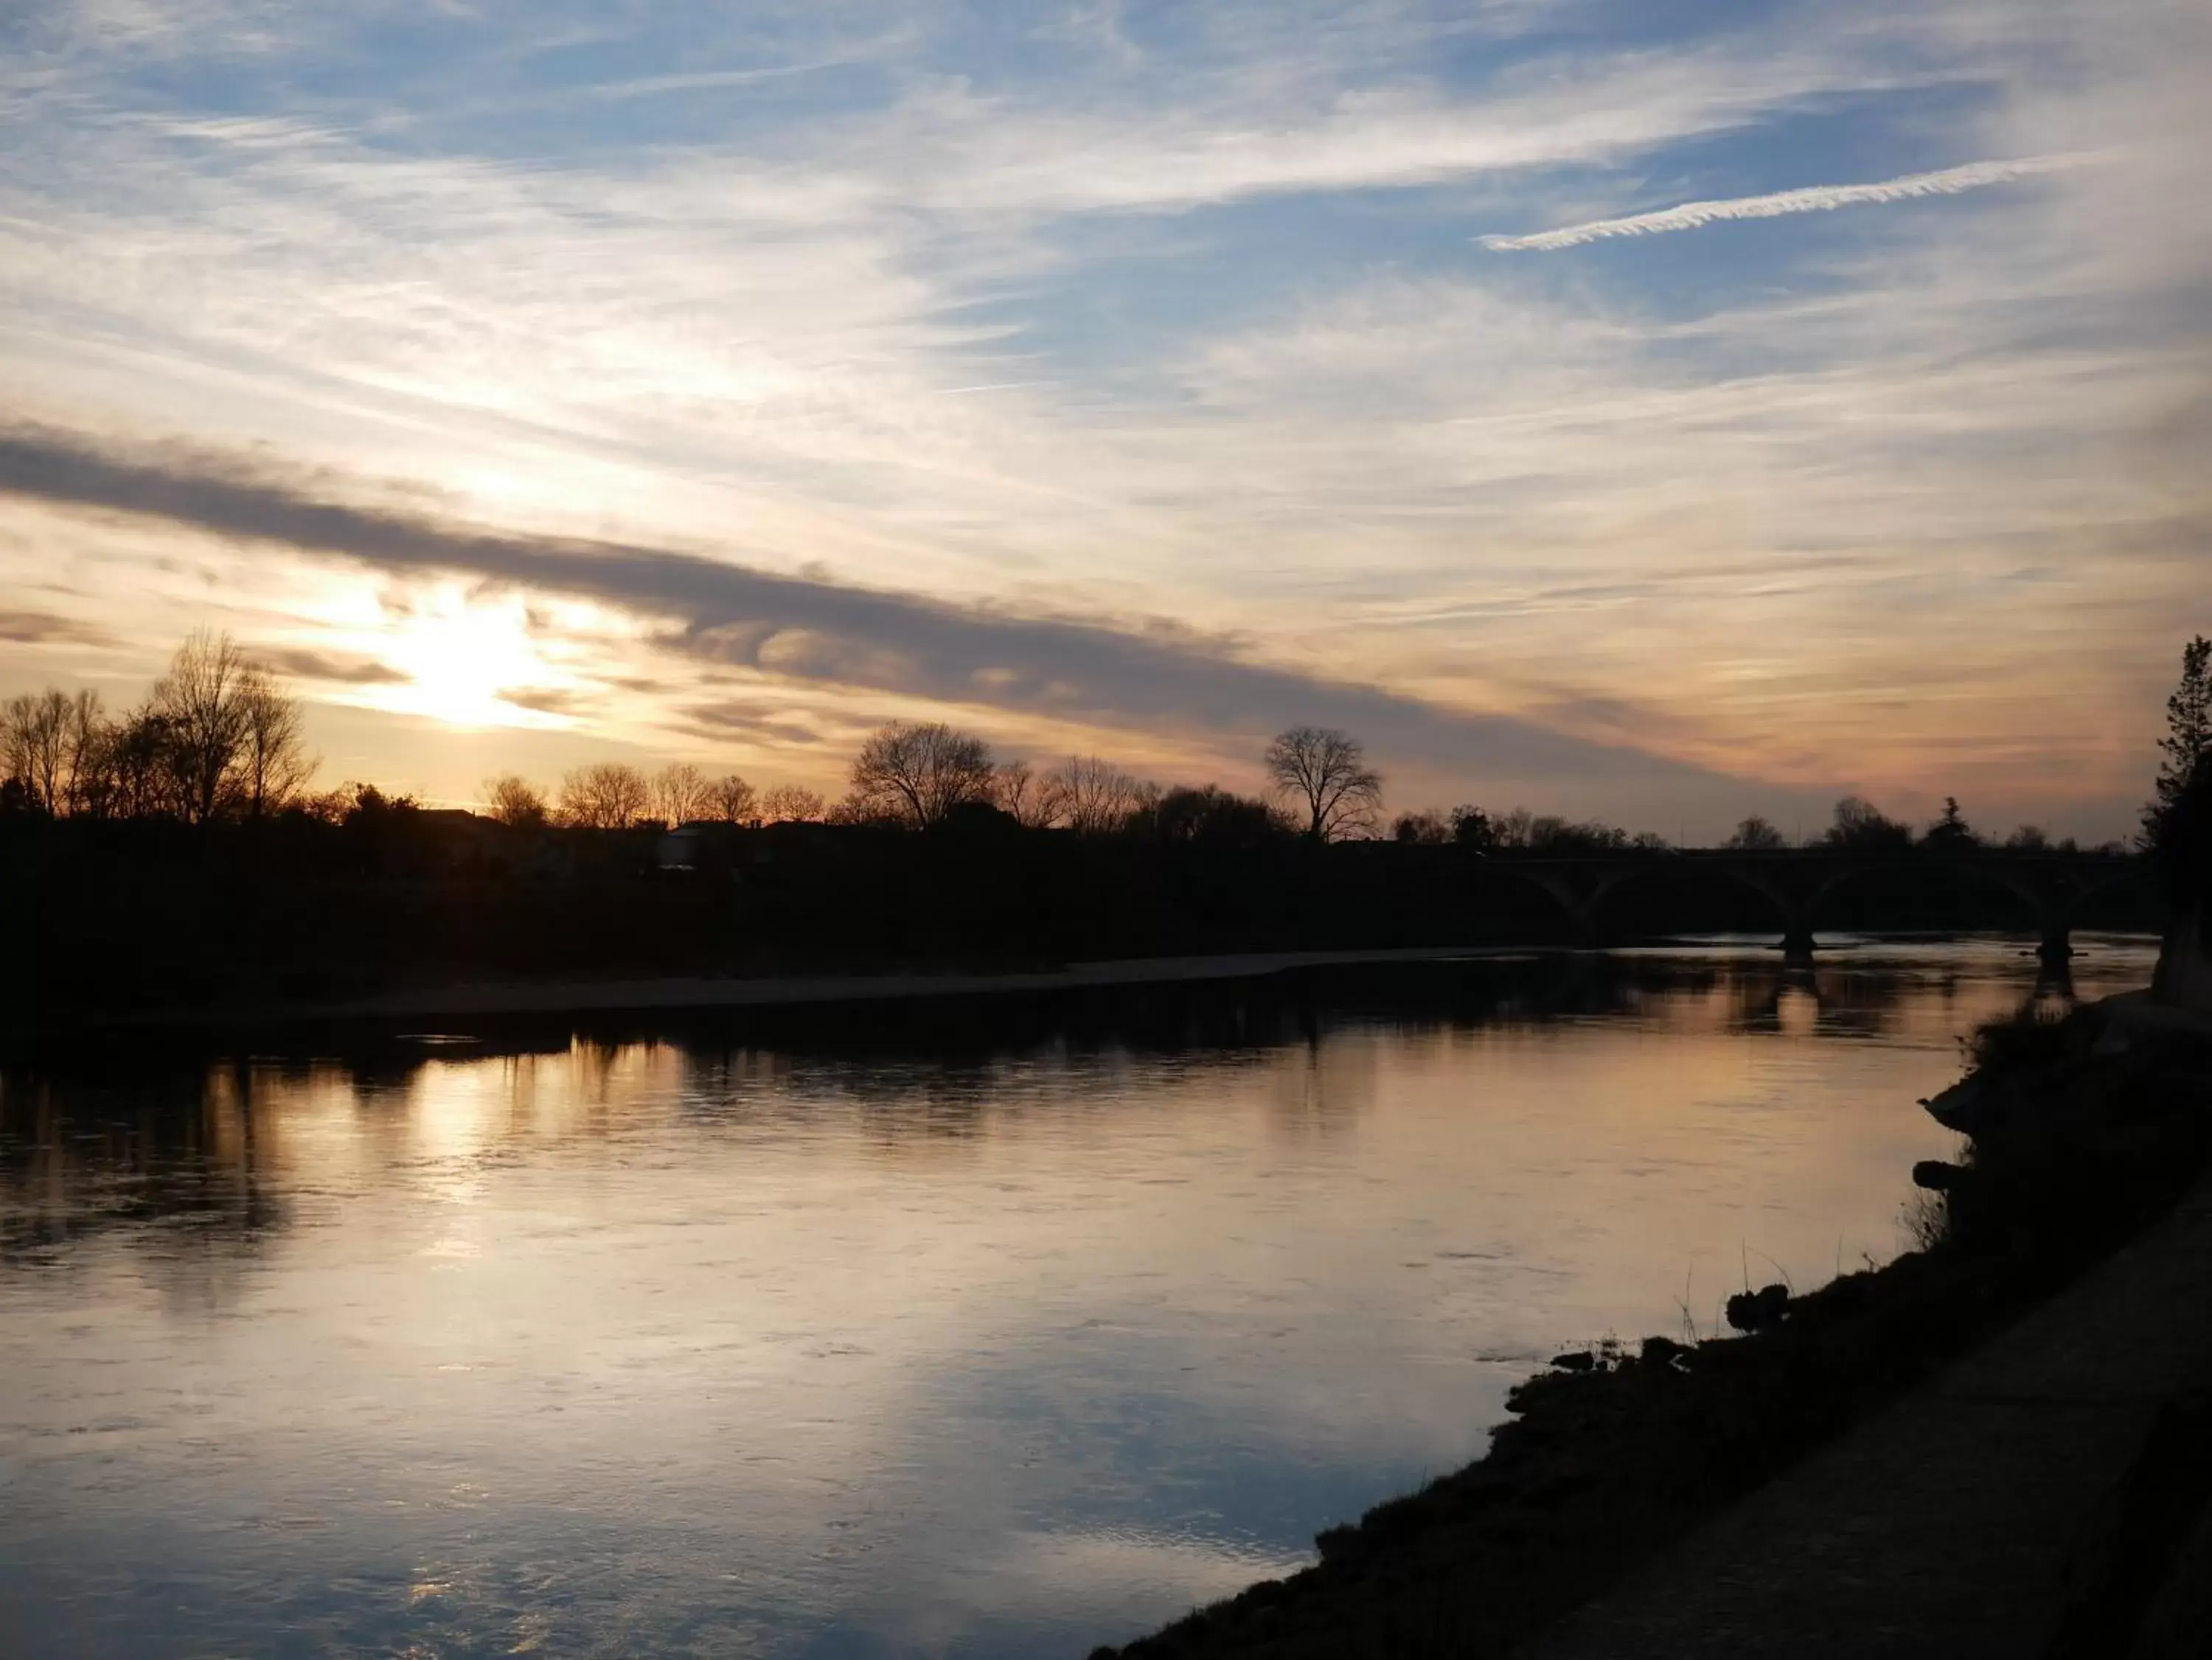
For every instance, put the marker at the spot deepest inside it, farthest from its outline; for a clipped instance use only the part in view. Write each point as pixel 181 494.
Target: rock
pixel 1935 1175
pixel 1754 1311
pixel 1576 1360
pixel 1958 1107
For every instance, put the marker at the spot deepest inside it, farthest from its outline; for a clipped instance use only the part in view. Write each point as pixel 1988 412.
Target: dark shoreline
pixel 2084 1132
pixel 516 1003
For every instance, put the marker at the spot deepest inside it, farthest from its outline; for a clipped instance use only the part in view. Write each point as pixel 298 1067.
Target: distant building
pixel 682 848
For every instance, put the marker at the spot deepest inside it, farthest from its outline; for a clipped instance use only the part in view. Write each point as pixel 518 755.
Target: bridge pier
pixel 2055 980
pixel 2057 948
pixel 1797 943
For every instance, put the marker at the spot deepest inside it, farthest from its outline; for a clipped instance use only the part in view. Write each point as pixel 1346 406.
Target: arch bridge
pixel 1796 884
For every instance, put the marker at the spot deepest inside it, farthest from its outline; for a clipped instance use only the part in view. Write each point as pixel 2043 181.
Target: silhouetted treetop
pixel 1214 815
pixel 918 774
pixel 1324 776
pixel 2188 737
pixel 1471 827
pixel 732 800
pixel 607 795
pixel 679 794
pixel 1429 827
pixel 1951 829
pixel 1756 835
pixel 515 801
pixel 1859 824
pixel 1092 796
pixel 219 737
pixel 790 804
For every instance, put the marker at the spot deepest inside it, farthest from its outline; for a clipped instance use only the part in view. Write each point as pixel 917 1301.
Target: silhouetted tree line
pixel 1859 826
pixel 189 819
pixel 927 776
pixel 218 738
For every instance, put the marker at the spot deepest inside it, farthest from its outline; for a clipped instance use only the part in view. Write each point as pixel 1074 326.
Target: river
pixel 995 1329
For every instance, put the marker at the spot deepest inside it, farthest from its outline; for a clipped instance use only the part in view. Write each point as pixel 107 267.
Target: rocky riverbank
pixel 2082 1131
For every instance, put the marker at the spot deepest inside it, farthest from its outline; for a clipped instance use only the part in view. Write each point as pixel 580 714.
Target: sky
pixel 1660 413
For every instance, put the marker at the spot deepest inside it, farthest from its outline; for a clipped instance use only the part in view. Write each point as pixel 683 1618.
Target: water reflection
pixel 995 1330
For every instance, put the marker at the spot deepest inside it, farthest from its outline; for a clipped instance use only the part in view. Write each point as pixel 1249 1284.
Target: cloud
pixel 545 700
pixel 1785 506
pixel 1072 670
pixel 304 664
pixel 1814 198
pixel 44 629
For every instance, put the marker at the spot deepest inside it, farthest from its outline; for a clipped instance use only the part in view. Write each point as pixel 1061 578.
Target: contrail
pixel 1814 198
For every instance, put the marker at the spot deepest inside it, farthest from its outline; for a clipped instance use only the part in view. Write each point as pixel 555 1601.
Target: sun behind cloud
pixel 463 657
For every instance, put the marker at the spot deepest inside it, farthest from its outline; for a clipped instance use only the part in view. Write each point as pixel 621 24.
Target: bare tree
pixel 1091 796
pixel 34 748
pixel 219 734
pixel 91 740
pixel 137 779
pixel 792 803
pixel 732 800
pixel 1323 774
pixel 274 764
pixel 850 808
pixel 1023 798
pixel 679 794
pixel 920 774
pixel 56 749
pixel 514 802
pixel 608 794
pixel 201 703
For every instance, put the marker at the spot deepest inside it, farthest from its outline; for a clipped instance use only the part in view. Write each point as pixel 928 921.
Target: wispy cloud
pixel 44 629
pixel 1170 312
pixel 1814 198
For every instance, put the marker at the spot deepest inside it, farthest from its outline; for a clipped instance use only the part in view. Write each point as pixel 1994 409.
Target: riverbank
pixel 2083 1133
pixel 690 993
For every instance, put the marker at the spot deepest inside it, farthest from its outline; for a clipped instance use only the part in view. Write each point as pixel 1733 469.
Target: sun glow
pixel 463 658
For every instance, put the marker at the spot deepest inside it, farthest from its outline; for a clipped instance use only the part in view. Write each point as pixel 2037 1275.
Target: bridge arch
pixel 1583 904
pixel 2050 893
pixel 1796 886
pixel 1650 872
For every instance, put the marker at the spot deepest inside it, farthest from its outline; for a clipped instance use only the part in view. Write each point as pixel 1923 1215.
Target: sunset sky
pixel 1626 418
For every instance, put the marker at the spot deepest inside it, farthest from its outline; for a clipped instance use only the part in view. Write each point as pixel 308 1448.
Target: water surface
pixel 989 1331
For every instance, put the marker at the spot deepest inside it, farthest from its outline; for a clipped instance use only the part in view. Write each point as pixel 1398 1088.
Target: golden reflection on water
pixel 892 1335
